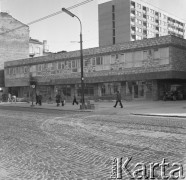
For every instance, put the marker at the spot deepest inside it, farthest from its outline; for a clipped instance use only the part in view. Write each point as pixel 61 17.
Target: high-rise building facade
pixel 129 20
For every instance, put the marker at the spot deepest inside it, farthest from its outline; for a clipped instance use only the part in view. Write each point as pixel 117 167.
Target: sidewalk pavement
pixel 143 108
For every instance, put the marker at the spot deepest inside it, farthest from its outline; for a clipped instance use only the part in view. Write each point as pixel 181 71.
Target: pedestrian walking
pixel 62 99
pixel 75 100
pixel 9 97
pixel 40 99
pixel 118 99
pixel 37 98
pixel 58 98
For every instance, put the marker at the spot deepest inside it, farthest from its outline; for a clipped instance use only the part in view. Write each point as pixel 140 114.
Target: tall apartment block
pixel 129 20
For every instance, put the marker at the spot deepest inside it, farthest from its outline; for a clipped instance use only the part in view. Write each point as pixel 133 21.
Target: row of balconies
pixel 176 34
pixel 173 21
pixel 145 18
pixel 144 11
pixel 144 36
pixel 156 16
pixel 143 31
pixel 175 25
pixel 144 25
pixel 175 28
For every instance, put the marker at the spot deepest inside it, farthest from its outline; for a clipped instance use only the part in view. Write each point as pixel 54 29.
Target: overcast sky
pixel 61 30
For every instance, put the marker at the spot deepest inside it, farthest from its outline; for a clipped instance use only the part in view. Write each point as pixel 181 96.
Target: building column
pixel 154 90
pixel 52 93
pixel 99 90
pixel 129 91
pixel 73 90
pixel 123 90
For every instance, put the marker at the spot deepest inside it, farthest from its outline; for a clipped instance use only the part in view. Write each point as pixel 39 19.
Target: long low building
pixel 142 69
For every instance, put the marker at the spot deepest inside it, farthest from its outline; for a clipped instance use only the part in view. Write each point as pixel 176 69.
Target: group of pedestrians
pixel 12 98
pixel 60 98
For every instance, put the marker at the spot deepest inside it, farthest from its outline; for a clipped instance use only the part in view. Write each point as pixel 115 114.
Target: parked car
pixel 173 95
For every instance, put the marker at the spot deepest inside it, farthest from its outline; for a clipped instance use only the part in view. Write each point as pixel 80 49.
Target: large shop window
pixel 53 66
pixel 116 88
pixel 87 62
pixel 113 59
pixel 74 65
pixel 59 65
pixel 88 91
pixel 156 54
pixel 164 55
pixel 99 60
pixel 69 64
pixel 145 53
pixel 122 58
pixel 25 69
pixel 38 68
pixel 93 61
pixel 103 90
pixel 129 60
pixel 106 60
pixel 138 58
pixel 66 89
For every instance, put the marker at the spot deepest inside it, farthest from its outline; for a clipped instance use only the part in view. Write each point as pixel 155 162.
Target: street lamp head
pixel 68 12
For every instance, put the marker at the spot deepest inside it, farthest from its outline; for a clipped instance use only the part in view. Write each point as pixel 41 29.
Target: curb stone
pixel 160 115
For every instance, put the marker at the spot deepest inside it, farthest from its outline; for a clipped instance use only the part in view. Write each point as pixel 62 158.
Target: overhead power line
pixel 49 16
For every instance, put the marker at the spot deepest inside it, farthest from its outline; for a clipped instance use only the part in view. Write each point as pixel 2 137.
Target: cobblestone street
pixel 44 145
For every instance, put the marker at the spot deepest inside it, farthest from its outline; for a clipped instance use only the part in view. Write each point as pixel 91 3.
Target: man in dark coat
pixel 58 98
pixel 118 99
pixel 37 98
pixel 40 99
pixel 75 100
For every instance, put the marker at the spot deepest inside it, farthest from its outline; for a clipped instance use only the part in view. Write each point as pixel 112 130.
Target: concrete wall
pixel 14 44
pixel 2 83
pixel 105 23
pixel 178 58
pixel 122 20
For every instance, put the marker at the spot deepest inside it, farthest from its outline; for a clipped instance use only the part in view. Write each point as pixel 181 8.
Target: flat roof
pixel 99 51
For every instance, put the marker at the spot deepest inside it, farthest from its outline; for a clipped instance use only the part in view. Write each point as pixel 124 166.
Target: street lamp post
pixel 33 87
pixel 81 57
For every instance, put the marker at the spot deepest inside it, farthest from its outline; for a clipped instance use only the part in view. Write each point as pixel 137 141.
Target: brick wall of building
pixel 14 44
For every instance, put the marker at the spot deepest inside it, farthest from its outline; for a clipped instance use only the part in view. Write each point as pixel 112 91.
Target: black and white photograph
pixel 92 89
